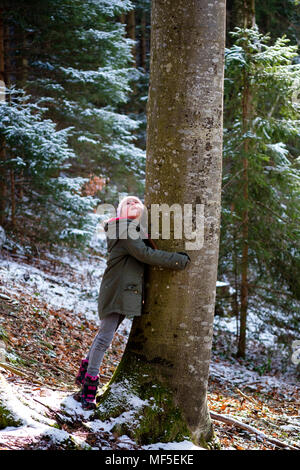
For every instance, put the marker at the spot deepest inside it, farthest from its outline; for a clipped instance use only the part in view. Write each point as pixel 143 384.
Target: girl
pixel 121 291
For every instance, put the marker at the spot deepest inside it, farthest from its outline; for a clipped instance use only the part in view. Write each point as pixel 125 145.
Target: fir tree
pixel 73 68
pixel 78 64
pixel 261 177
pixel 37 155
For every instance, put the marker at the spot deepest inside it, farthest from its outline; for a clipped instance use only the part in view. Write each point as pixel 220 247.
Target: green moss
pixel 17 360
pixel 160 420
pixel 3 334
pixel 7 418
pixel 55 425
pixel 146 411
pixel 213 444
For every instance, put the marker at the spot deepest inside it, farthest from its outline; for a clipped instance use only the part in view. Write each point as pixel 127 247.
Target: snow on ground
pixel 75 287
pixel 30 406
pixel 240 376
pixel 77 294
pixel 256 327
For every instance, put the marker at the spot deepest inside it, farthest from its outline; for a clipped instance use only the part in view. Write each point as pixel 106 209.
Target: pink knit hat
pixel 119 209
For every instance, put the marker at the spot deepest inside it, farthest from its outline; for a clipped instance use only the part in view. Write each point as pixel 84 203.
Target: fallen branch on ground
pixel 247 397
pixel 20 373
pixel 229 420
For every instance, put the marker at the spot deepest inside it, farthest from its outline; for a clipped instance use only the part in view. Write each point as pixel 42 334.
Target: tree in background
pixel 36 153
pixel 162 378
pixel 278 16
pixel 275 17
pixel 260 181
pixel 137 25
pixel 72 59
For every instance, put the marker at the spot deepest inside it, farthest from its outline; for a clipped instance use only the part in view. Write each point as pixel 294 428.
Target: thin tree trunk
pixel 244 282
pixel 20 186
pixel 245 229
pixel 235 303
pixel 123 18
pixel 13 197
pixel 248 18
pixel 3 186
pixel 131 32
pixel 24 61
pixel 2 60
pixel 143 41
pixel 244 13
pixel 167 357
pixel 22 77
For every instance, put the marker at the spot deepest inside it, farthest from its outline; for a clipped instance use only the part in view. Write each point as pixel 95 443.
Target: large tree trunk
pixel 167 357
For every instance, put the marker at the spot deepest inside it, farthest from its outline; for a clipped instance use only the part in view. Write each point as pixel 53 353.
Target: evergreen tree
pixel 36 156
pixel 261 135
pixel 138 29
pixel 71 58
pixel 78 65
pixel 276 17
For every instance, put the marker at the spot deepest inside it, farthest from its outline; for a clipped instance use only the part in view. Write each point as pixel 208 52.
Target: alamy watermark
pixel 182 221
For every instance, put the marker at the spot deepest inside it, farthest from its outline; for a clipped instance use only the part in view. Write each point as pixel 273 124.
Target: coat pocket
pixel 132 288
pixel 132 298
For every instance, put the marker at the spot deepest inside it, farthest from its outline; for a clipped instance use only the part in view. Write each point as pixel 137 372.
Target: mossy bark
pixel 170 344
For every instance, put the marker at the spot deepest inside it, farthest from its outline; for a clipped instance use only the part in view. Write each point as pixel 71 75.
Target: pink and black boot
pixel 81 373
pixel 88 392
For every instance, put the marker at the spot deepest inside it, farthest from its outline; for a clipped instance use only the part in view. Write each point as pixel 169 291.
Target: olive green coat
pixel 121 288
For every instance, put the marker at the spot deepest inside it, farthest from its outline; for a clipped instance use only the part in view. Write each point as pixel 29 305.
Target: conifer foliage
pixel 70 64
pixel 260 231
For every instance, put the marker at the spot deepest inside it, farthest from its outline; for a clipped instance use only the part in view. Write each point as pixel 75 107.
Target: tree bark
pixel 3 185
pixel 245 248
pixel 2 60
pixel 244 13
pixel 123 18
pixel 245 221
pixel 248 21
pixel 131 32
pixel 143 42
pixel 168 352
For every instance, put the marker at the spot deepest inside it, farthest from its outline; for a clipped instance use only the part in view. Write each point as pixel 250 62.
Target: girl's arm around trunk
pixel 139 250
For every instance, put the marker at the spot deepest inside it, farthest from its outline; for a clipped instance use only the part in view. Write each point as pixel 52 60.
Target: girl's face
pixel 132 208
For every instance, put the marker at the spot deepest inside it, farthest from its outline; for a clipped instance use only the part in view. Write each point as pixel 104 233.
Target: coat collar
pixel 121 223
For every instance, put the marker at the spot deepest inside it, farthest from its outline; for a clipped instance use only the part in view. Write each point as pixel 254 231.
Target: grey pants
pixel 103 339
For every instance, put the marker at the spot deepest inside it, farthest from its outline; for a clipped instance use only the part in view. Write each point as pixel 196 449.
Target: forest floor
pixel 47 322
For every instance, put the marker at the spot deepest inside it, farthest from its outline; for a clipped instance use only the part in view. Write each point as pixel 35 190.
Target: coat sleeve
pixel 139 250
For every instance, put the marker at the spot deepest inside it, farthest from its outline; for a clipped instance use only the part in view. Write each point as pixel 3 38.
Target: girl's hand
pixel 183 253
